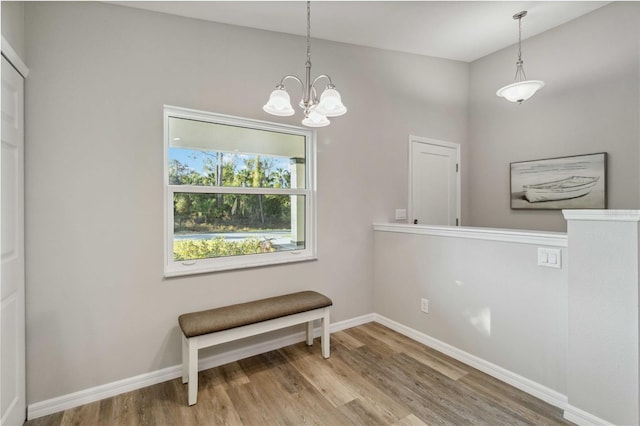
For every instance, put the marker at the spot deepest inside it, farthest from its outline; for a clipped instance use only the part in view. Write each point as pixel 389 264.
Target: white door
pixel 12 309
pixel 434 184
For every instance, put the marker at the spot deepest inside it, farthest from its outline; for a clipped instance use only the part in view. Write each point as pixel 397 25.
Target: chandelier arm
pixel 309 96
pixel 323 76
pixel 304 103
pixel 293 77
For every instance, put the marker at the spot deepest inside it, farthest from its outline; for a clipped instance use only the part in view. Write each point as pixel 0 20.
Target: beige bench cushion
pixel 224 318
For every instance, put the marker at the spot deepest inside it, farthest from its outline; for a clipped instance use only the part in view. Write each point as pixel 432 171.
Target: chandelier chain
pixel 309 30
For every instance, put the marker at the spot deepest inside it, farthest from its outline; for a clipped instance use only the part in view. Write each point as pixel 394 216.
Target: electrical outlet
pixel 425 306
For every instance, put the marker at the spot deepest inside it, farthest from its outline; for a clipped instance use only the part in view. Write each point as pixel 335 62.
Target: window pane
pixel 218 225
pixel 211 154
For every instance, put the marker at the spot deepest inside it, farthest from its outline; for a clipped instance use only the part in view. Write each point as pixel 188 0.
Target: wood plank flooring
pixel 375 376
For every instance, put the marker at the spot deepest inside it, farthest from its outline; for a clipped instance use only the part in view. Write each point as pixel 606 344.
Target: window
pixel 238 192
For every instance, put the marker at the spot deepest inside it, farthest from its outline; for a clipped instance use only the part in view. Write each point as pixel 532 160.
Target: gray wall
pixel 98 307
pixel 487 298
pixel 13 25
pixel 590 104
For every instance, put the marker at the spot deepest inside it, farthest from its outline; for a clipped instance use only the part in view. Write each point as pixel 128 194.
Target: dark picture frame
pixel 574 182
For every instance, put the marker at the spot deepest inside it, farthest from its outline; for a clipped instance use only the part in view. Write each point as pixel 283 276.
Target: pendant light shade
pixel 316 110
pixel 522 89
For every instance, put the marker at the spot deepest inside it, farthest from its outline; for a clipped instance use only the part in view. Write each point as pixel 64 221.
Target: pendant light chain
pixel 520 39
pixel 520 75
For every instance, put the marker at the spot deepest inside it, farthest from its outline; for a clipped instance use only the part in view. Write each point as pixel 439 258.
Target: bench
pixel 215 326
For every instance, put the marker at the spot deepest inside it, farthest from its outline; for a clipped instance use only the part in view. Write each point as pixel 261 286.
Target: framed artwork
pixel 577 182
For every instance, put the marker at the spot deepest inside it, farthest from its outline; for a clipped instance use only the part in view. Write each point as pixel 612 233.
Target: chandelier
pixel 522 89
pixel 316 110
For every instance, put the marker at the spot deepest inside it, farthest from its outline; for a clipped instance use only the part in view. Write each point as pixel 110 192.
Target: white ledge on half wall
pixel 554 239
pixel 603 215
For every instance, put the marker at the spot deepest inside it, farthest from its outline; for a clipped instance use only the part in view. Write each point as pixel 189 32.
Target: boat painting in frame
pixel 576 182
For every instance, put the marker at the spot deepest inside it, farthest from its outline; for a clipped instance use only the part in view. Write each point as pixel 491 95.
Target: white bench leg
pixel 185 359
pixel 325 342
pixel 193 370
pixel 309 333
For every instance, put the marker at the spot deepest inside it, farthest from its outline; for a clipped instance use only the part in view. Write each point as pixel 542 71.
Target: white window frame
pixel 177 268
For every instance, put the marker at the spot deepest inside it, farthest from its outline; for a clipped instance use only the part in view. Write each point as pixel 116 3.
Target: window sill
pixel 178 269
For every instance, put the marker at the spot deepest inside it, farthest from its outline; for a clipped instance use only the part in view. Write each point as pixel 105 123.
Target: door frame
pixel 429 141
pixel 14 60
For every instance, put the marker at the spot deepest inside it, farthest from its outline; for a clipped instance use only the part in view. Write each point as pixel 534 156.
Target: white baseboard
pixel 86 396
pixel 108 390
pixel 582 418
pixel 529 386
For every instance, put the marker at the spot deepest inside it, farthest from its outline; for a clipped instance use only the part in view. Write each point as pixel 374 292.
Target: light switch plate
pixel 549 257
pixel 401 214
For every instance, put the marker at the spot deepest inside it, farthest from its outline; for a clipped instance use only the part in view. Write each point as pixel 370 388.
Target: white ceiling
pixel 460 30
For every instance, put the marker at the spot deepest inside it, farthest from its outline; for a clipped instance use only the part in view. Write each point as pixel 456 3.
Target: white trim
pixel 86 396
pixel 194 114
pixel 554 239
pixel 14 58
pixel 219 264
pixel 603 215
pixel 451 145
pixel 582 418
pixel 529 386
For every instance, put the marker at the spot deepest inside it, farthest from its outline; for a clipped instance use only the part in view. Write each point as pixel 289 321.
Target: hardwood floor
pixel 375 376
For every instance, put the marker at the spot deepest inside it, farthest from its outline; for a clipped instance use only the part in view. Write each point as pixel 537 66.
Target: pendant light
pixel 522 89
pixel 316 110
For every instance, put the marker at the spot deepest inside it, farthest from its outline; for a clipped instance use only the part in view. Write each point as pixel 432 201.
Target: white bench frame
pixel 191 345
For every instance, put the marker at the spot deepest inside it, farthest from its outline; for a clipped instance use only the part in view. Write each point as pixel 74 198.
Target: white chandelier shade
pixel 279 103
pixel 522 89
pixel 315 119
pixel 331 103
pixel 316 110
